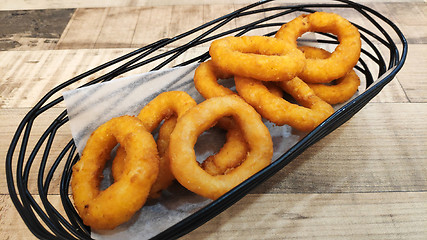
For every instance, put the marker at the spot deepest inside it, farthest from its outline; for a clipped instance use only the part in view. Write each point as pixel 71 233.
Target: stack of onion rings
pixel 250 60
pixel 263 68
pixel 341 61
pixel 338 92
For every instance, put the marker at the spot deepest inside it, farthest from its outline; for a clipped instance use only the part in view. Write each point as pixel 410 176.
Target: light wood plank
pixel 376 150
pixel 47 4
pixel 92 28
pixel 148 29
pixel 393 215
pixel 321 216
pixel 7 131
pixel 412 76
pixel 185 18
pixel 83 29
pixel 12 227
pixel 411 22
pixel 29 75
pixel 118 28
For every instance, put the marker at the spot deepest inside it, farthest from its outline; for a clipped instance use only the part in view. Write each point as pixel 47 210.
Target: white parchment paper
pixel 91 106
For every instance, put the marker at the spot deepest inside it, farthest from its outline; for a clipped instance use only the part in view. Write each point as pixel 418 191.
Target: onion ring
pixel 206 82
pixel 232 154
pixel 107 209
pixel 259 57
pixel 164 106
pixel 201 117
pixel 341 61
pixel 342 89
pixel 165 176
pixel 279 111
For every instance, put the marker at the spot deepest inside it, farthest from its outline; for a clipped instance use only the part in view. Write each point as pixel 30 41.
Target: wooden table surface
pixel 366 180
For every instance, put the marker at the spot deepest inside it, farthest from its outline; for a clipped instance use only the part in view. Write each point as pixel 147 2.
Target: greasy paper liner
pixel 384 50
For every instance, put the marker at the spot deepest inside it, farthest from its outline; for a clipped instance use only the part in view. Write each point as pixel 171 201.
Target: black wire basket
pixel 384 50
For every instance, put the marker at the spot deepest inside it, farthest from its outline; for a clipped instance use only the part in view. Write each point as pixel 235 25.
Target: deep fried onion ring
pixel 164 106
pixel 341 90
pixel 165 176
pixel 118 203
pixel 345 55
pixel 201 117
pixel 279 111
pixel 259 57
pixel 206 81
pixel 232 154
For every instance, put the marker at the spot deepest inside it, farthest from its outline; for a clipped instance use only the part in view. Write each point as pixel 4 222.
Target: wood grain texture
pixel 84 29
pixel 361 156
pixel 29 75
pixel 391 215
pixel 48 4
pixel 412 77
pixel 12 226
pixel 32 29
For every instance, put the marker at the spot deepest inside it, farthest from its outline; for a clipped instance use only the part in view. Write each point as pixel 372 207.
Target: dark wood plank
pixel 32 29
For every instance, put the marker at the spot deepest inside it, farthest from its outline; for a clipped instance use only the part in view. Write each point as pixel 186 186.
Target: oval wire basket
pixel 45 220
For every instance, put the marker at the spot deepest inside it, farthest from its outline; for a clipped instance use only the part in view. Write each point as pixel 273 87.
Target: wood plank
pixel 412 23
pixel 185 18
pixel 91 28
pixel 29 75
pixel 13 117
pixel 147 29
pixel 376 150
pixel 83 29
pixel 118 28
pixel 412 76
pixel 393 215
pixel 136 27
pixel 48 4
pixel 32 29
pixel 212 12
pixel 393 91
pixel 12 227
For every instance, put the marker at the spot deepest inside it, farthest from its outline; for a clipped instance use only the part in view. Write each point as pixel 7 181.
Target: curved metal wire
pixel 45 221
